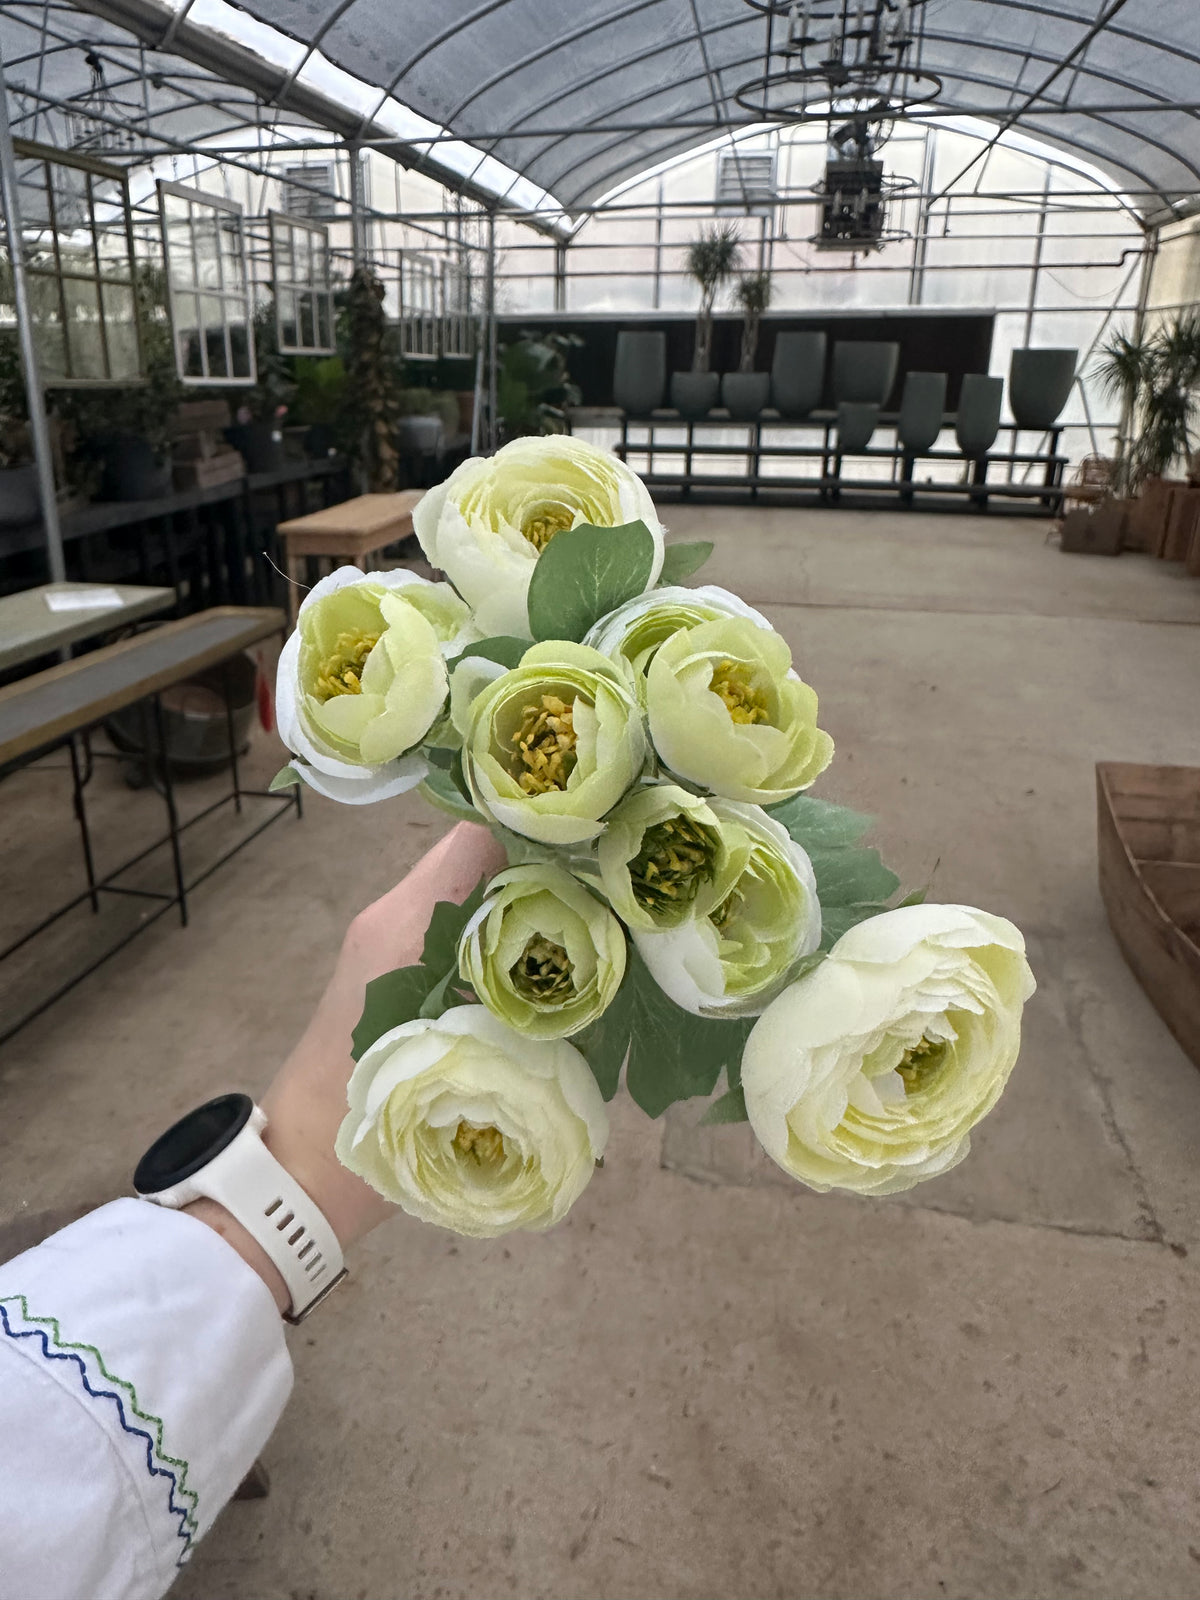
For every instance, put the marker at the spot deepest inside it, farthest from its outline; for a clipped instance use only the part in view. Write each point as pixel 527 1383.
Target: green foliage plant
pixel 712 260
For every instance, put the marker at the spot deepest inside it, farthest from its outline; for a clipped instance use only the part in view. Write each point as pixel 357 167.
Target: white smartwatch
pixel 217 1152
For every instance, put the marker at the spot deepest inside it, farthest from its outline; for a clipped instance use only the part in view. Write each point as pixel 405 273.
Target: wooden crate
pixel 1098 532
pixel 1183 513
pixel 207 471
pixel 1148 825
pixel 1146 527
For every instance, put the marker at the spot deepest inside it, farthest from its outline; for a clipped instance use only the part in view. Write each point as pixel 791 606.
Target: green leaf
pixel 286 778
pixel 681 560
pixel 853 876
pixel 819 824
pixel 606 1041
pixel 583 574
pixel 916 897
pixel 438 1000
pixel 730 1107
pixel 440 789
pixel 394 998
pixel 502 648
pixel 672 1054
pixel 440 953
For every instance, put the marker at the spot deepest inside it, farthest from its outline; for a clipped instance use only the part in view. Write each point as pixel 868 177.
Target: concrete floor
pixel 710 1382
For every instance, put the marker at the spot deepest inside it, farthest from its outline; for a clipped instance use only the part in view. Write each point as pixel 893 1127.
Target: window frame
pixel 48 156
pixel 297 287
pixel 196 291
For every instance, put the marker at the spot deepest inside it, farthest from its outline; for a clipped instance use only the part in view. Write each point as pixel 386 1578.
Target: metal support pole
pixel 493 433
pixel 358 232
pixel 1036 265
pixel 560 277
pixel 34 395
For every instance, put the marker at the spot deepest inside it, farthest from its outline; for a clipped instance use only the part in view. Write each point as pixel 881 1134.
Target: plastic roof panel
pixel 484 68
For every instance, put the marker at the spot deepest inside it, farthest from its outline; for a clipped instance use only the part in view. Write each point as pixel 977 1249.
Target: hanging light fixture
pixel 99 123
pixel 856 66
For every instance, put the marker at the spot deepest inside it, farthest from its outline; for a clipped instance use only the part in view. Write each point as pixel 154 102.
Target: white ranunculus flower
pixel 487 524
pixel 869 1072
pixel 542 952
pixel 757 919
pixel 634 631
pixel 662 857
pixel 363 678
pixel 551 745
pixel 464 1122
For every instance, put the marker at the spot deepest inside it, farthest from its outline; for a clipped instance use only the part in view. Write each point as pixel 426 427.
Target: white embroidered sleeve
pixel 142 1369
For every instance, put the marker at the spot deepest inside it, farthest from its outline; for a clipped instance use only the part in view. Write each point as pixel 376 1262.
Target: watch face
pixel 192 1143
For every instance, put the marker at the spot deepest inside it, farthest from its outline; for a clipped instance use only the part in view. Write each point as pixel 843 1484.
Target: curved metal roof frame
pixel 579 99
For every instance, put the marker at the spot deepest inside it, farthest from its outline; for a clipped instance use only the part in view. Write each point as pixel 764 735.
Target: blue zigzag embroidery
pixel 181 1512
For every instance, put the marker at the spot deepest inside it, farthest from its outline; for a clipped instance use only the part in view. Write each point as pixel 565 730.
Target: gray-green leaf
pixel 583 574
pixel 681 560
pixel 286 778
pixel 729 1107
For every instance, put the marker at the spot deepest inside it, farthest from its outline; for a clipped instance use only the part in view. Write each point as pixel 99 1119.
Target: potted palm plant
pixel 745 392
pixel 1156 378
pixel 712 260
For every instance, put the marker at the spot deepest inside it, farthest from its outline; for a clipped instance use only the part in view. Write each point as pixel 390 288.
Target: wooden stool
pixel 353 531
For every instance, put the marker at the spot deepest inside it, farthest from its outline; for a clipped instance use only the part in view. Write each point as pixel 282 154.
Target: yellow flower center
pixel 543 972
pixel 731 684
pixel 545 745
pixel 919 1065
pixel 485 1146
pixel 676 857
pixel 341 672
pixel 541 526
pixel 726 911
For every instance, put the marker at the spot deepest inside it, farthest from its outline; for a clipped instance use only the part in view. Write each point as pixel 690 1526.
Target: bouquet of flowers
pixel 675 904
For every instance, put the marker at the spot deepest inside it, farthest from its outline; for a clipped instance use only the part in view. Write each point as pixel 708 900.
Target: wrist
pixel 241 1240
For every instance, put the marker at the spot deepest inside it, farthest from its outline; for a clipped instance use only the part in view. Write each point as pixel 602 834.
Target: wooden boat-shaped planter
pixel 1149 838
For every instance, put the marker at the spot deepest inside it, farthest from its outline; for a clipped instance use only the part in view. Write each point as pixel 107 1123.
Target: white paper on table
pixel 99 597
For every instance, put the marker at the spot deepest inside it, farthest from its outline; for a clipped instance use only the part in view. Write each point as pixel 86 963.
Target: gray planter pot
pixel 1039 385
pixel 798 373
pixel 19 502
pixel 694 394
pixel 864 370
pixel 640 372
pixel 856 421
pixel 921 411
pixel 744 394
pixel 977 421
pixel 132 471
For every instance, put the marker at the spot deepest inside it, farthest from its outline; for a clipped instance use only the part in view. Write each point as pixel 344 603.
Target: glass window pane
pixel 289 332
pixel 51 345
pixel 230 226
pixel 121 330
pixel 186 316
pixel 85 343
pixel 204 233
pixel 239 348
pixel 281 239
pixel 212 315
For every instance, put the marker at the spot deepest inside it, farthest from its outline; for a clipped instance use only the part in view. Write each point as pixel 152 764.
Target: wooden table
pixel 28 627
pixel 353 531
pixel 52 708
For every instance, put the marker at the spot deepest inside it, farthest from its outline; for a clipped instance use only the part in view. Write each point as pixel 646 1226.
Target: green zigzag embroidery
pixel 151 1421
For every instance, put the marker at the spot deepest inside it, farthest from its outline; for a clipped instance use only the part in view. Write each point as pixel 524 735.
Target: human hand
pixel 306 1102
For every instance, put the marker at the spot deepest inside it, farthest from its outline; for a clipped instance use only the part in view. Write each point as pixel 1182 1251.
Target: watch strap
pixel 263 1196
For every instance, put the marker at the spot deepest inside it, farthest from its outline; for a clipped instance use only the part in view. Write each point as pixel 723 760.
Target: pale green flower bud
pixel 542 952
pixel 757 919
pixel 728 714
pixel 363 678
pixel 487 524
pixel 634 631
pixel 466 1123
pixel 870 1071
pixel 551 746
pixel 663 856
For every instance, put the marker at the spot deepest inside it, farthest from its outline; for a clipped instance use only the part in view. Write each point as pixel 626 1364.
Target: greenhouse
pixel 550 560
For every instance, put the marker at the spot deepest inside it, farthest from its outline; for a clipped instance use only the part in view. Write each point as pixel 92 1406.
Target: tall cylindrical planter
pixel 1039 385
pixel 798 373
pixel 19 502
pixel 864 370
pixel 922 410
pixel 640 371
pixel 856 421
pixel 744 394
pixel 132 470
pixel 694 394
pixel 977 421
